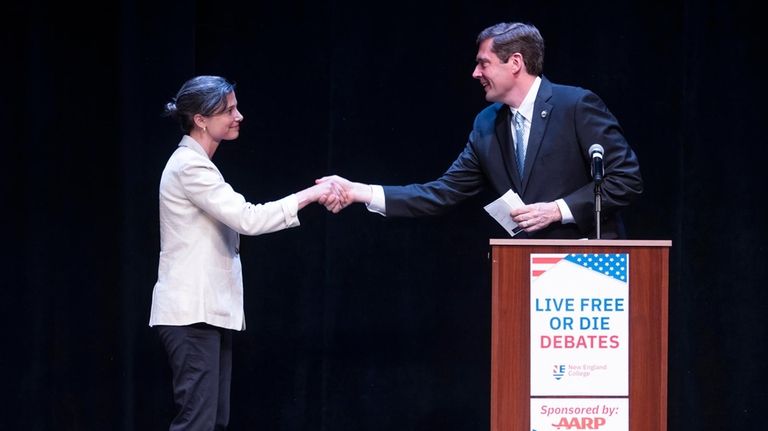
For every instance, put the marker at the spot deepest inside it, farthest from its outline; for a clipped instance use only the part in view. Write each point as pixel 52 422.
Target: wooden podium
pixel 510 338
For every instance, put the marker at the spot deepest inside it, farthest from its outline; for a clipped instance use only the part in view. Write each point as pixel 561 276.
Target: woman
pixel 197 301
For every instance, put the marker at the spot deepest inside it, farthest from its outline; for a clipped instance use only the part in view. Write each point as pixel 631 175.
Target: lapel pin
pixel 543 114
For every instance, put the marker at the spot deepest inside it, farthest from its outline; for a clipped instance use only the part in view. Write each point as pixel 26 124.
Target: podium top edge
pixel 583 242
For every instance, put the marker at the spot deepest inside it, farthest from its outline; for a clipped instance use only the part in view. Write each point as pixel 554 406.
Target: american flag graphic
pixel 613 265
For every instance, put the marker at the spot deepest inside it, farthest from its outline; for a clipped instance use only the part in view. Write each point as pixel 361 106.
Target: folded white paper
pixel 500 208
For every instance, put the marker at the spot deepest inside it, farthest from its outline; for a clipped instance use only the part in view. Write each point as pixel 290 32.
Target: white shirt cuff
pixel 565 212
pixel 377 203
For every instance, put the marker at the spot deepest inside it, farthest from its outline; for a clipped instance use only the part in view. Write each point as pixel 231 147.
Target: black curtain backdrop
pixel 356 322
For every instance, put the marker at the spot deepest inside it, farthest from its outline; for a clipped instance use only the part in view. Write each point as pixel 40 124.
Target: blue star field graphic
pixel 612 265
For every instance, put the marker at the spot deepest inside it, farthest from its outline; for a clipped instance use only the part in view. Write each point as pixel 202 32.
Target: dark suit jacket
pixel 566 122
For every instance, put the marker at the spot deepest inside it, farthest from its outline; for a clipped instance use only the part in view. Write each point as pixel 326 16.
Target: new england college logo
pixel 558 371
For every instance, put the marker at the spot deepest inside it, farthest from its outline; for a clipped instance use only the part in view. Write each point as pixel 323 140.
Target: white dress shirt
pixel 199 276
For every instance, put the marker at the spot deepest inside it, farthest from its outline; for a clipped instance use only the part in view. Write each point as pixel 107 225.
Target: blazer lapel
pixel 506 147
pixel 542 110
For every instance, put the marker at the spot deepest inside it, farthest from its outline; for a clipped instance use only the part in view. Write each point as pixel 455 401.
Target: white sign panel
pixel 579 324
pixel 563 414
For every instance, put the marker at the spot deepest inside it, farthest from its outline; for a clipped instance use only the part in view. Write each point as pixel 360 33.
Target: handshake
pixel 335 193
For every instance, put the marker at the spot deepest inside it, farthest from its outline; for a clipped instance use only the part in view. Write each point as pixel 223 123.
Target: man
pixel 533 139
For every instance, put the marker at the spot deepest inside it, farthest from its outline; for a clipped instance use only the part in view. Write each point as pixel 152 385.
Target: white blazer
pixel 199 276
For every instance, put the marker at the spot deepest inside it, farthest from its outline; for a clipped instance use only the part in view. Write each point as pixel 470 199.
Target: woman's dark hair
pixel 205 95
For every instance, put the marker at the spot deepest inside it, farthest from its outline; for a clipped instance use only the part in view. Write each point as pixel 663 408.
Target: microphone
pixel 596 154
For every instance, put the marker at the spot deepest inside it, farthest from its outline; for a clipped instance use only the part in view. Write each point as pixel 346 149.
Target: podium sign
pixel 579 341
pixel 579 324
pixel 579 335
pixel 606 414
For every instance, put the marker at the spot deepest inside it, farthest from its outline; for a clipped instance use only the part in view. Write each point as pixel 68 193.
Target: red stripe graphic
pixel 541 263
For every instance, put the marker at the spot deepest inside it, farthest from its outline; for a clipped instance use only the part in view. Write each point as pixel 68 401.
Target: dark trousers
pixel 200 356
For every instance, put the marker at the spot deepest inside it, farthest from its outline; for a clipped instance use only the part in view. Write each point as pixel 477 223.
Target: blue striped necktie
pixel 518 121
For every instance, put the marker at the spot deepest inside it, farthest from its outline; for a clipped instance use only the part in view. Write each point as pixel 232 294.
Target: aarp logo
pixel 580 423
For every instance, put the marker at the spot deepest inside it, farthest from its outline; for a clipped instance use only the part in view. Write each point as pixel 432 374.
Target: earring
pixel 205 129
